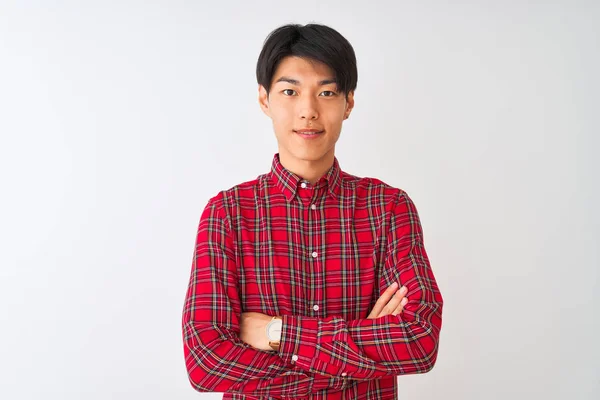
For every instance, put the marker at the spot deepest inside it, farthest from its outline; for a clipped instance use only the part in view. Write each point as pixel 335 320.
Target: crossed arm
pixel 253 325
pixel 227 350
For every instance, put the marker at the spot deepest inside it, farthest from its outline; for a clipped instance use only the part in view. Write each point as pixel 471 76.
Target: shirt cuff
pixel 308 343
pixel 299 340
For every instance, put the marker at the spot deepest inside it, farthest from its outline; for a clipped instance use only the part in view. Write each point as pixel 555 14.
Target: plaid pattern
pixel 319 256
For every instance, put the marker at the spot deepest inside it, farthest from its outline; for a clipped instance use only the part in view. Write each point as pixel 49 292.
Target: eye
pixel 329 91
pixel 287 90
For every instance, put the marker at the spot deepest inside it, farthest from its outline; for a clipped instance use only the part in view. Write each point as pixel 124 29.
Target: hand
pixel 392 302
pixel 253 330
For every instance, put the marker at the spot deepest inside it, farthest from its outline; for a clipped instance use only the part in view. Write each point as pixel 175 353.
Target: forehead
pixel 302 69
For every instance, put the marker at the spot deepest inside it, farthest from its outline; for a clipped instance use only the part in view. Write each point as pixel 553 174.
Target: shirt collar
pixel 288 182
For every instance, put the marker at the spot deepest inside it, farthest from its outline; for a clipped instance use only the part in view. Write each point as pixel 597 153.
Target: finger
pixel 393 303
pixel 399 309
pixel 383 300
pixel 390 306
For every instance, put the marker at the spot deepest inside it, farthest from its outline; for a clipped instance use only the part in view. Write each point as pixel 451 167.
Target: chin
pixel 309 156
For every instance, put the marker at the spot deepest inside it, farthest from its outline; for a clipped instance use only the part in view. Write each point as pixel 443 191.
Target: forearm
pixel 368 348
pixel 360 349
pixel 218 361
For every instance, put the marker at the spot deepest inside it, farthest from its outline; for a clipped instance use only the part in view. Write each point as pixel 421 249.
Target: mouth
pixel 309 133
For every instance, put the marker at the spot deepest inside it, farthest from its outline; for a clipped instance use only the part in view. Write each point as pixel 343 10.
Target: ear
pixel 263 100
pixel 349 104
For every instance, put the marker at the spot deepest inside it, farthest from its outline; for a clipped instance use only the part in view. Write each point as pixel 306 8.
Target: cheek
pixel 280 114
pixel 335 113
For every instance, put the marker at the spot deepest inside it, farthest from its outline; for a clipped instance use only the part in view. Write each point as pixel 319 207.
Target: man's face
pixel 303 92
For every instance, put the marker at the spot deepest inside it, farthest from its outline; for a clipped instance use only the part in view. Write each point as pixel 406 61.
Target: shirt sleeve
pixel 363 349
pixel 217 360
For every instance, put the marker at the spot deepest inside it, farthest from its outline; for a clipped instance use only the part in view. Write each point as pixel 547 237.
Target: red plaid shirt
pixel 320 256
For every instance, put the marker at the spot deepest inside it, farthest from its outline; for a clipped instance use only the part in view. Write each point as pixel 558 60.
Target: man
pixel 309 282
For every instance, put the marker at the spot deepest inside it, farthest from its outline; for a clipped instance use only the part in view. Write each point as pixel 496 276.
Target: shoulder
pixel 373 187
pixel 236 194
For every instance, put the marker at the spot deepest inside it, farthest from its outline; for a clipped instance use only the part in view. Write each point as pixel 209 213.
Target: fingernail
pixel 404 300
pixel 395 284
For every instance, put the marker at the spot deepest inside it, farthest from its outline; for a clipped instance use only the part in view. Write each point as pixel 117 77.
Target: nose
pixel 308 109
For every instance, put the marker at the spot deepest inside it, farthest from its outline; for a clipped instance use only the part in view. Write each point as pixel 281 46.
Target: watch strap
pixel 272 343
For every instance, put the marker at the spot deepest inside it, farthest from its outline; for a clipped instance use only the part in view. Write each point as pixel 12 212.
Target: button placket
pixel 316 255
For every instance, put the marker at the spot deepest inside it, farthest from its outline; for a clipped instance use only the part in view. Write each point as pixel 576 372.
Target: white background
pixel 120 119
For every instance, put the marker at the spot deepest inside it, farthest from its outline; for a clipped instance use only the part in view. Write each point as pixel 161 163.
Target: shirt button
pixel 313 206
pixel 344 374
pixel 294 358
pixel 316 307
pixel 303 185
pixel 314 254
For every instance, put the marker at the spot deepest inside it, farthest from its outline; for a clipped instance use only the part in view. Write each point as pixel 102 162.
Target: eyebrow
pixel 297 82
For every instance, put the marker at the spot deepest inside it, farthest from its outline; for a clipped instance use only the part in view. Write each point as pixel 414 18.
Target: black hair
pixel 312 42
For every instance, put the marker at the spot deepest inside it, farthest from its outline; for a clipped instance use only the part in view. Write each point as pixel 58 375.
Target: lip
pixel 301 131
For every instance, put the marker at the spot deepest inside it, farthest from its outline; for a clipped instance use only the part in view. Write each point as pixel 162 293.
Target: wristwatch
pixel 274 332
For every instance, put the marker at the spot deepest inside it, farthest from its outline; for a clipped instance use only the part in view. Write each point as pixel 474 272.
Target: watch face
pixel 274 330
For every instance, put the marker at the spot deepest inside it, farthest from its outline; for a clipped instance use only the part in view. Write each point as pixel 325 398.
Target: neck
pixel 310 170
